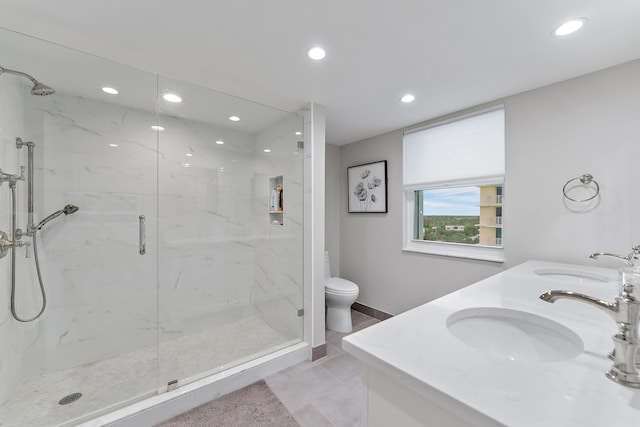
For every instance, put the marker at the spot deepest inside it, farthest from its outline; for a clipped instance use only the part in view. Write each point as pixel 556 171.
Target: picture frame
pixel 367 187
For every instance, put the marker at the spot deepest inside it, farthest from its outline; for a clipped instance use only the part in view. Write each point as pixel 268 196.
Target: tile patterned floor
pixel 104 383
pixel 329 391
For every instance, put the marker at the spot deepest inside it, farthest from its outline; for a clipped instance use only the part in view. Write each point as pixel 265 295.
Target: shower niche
pixel 276 201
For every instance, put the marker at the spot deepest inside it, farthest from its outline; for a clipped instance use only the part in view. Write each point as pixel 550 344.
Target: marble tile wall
pixel 11 125
pixel 212 254
pixel 220 256
pixel 279 254
pixel 101 294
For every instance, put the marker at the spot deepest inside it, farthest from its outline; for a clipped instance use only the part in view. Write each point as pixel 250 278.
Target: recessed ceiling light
pixel 569 27
pixel 171 97
pixel 298 133
pixel 113 145
pixel 186 165
pixel 266 150
pixel 408 98
pixel 316 53
pixel 157 128
pixel 234 118
pixel 219 142
pixel 110 90
pixel 188 154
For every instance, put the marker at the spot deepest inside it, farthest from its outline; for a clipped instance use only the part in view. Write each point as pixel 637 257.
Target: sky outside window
pixel 461 201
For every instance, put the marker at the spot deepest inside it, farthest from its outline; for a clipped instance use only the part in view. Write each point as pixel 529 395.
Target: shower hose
pixel 13 264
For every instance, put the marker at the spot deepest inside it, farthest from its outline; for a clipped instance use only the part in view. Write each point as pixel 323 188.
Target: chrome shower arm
pixel 38 88
pixel 18 73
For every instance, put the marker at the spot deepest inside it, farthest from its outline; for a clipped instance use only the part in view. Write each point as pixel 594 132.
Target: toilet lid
pixel 337 285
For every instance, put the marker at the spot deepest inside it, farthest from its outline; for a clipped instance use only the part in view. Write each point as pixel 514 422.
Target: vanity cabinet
pixel 419 370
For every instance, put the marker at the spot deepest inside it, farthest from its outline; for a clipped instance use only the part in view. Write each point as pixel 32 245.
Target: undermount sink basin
pixel 572 276
pixel 514 334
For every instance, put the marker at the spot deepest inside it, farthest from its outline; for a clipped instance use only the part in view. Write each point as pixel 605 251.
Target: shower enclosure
pixel 172 267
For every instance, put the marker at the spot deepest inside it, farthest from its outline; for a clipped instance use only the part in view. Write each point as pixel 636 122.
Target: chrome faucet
pixel 626 313
pixel 629 259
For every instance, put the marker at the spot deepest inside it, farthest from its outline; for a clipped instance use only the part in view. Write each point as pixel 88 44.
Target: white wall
pixel 588 124
pixel 314 234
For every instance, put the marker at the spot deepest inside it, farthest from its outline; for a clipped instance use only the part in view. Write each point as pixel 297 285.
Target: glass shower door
pixel 230 264
pixel 95 347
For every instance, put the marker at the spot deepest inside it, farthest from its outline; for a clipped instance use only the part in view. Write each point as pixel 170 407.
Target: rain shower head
pixel 67 210
pixel 38 89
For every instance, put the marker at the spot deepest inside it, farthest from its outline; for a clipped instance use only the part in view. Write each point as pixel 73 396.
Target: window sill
pixel 483 253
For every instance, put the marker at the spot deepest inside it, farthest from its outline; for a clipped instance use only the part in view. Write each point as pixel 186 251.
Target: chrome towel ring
pixel 585 179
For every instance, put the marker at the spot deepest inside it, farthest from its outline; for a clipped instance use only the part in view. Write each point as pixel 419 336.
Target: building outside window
pixel 490 215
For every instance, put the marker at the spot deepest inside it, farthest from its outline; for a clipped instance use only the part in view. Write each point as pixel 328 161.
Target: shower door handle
pixel 143 235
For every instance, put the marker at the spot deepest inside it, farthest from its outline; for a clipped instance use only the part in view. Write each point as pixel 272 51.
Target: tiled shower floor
pixel 104 384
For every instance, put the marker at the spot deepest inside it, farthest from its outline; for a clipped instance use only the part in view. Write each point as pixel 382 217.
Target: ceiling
pixel 451 54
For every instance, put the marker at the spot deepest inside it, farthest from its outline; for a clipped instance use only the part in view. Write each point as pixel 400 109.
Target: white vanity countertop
pixel 488 388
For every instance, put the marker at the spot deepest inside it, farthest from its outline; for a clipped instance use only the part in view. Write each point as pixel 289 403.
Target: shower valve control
pixel 12 178
pixel 19 233
pixel 6 244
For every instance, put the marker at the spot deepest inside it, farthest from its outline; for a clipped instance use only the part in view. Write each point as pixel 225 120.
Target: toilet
pixel 339 294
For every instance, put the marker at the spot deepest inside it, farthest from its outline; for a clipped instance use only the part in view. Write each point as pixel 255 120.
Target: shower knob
pixel 6 244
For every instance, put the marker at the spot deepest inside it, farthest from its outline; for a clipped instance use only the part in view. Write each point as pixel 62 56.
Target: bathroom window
pixel 453 178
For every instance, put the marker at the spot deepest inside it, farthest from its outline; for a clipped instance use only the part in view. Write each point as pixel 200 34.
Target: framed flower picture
pixel 367 187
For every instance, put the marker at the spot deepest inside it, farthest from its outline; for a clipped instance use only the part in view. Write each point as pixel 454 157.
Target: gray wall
pixel 590 124
pixel 334 195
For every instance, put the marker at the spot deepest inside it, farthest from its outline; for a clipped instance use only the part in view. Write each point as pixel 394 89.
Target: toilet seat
pixel 340 286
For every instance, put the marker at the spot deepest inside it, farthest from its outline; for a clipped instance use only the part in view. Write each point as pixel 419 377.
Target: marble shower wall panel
pixel 219 257
pixel 207 231
pixel 101 292
pixel 279 254
pixel 12 93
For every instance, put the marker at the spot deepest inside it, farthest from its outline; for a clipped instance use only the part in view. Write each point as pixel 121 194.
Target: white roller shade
pixel 470 148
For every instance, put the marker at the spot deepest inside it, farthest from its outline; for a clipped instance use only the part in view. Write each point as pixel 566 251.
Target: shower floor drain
pixel 70 398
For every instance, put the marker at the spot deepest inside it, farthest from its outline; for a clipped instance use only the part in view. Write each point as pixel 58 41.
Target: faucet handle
pixel 634 255
pixel 630 283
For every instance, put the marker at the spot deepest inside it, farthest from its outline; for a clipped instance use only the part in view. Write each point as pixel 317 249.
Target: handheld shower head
pixel 67 210
pixel 38 89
